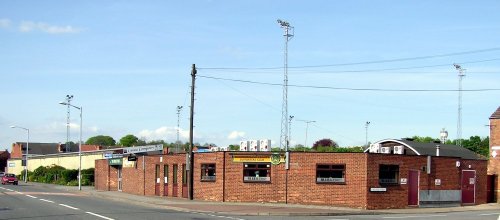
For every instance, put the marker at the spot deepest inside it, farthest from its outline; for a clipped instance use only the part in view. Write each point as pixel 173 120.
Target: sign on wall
pixel 437 182
pixel 403 181
pixel 274 159
pixel 115 161
pixel 11 164
pixel 142 149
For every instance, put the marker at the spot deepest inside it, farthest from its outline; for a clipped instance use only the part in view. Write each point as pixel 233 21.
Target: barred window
pixel 330 173
pixel 256 172
pixel 208 172
pixel 388 174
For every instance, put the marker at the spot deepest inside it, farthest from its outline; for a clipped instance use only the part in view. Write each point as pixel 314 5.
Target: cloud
pixel 4 23
pixel 161 133
pixel 236 134
pixel 29 26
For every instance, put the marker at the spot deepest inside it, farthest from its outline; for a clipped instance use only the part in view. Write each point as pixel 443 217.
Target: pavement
pixel 256 209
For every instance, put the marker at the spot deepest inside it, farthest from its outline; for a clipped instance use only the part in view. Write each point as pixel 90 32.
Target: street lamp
pixel 79 144
pixel 307 127
pixel 27 151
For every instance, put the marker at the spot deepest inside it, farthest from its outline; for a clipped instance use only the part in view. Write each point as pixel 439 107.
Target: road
pixel 26 201
pixel 34 201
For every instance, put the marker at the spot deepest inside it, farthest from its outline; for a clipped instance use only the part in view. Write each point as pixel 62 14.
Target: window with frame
pixel 388 174
pixel 330 173
pixel 256 172
pixel 208 172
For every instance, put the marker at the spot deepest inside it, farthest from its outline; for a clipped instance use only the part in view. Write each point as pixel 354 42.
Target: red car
pixel 9 178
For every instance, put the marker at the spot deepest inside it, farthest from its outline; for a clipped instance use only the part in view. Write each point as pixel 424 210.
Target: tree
pixel 424 139
pixel 234 147
pixel 129 140
pixel 101 140
pixel 325 142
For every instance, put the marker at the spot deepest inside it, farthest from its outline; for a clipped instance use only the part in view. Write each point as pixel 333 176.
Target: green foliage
pixel 129 140
pixel 424 139
pixel 101 140
pixel 325 142
pixel 476 144
pixel 234 147
pixel 300 148
pixel 59 175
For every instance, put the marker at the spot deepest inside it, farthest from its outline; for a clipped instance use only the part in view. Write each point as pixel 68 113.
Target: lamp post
pixel 27 151
pixel 307 127
pixel 79 144
pixel 366 132
pixel 179 108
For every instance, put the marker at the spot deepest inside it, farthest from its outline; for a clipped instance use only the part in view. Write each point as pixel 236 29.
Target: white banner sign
pixel 142 149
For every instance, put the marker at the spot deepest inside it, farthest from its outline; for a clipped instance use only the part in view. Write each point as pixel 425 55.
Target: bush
pixel 59 175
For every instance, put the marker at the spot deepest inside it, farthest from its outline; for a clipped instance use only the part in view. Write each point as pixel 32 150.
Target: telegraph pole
pixel 461 74
pixel 190 159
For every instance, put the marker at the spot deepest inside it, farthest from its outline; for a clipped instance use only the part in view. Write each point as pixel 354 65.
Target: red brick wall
pixel 494 162
pixel 443 168
pixel 16 151
pixel 361 174
pixel 211 191
pixel 303 188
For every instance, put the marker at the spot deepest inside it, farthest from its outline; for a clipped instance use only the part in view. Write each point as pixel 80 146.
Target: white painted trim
pixel 397 141
pixel 495 148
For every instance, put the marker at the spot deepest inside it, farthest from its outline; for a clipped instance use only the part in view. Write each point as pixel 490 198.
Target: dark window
pixel 208 172
pixel 165 173
pixel 157 174
pixel 257 172
pixel 388 174
pixel 330 173
pixel 184 175
pixel 174 175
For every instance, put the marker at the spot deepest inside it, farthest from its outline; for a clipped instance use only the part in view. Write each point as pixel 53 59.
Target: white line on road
pixel 9 189
pixel 67 206
pixel 415 216
pixel 18 192
pixel 100 216
pixel 31 196
pixel 490 214
pixel 47 200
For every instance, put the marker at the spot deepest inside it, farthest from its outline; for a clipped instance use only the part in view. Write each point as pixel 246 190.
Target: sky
pixel 128 65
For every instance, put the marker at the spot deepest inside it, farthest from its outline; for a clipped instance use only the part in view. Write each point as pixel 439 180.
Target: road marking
pixel 9 189
pixel 415 216
pixel 31 196
pixel 18 192
pixel 47 200
pixel 67 206
pixel 490 214
pixel 100 216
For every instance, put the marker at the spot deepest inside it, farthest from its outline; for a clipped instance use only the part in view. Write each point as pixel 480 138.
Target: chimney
pixel 437 150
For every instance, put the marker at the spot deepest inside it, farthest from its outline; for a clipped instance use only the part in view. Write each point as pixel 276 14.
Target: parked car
pixel 9 178
pixel 2 174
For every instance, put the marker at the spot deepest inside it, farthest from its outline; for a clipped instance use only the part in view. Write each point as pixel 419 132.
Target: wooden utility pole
pixel 190 156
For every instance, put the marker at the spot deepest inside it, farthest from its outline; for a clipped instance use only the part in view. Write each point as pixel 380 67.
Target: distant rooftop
pixel 496 114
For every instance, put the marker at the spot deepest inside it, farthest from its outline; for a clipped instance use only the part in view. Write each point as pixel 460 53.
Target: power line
pixel 384 69
pixel 349 88
pixel 361 63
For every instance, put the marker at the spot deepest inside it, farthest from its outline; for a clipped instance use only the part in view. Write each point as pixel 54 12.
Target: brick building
pixel 361 180
pixel 4 156
pixel 494 162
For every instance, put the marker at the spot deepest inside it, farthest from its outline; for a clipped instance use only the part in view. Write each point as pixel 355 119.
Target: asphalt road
pixel 26 201
pixel 34 201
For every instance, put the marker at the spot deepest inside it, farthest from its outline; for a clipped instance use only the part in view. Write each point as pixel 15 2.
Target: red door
pixel 184 181
pixel 413 188
pixel 468 186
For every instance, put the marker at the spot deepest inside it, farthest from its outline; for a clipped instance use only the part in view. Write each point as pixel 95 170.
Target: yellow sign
pixel 257 159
